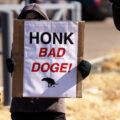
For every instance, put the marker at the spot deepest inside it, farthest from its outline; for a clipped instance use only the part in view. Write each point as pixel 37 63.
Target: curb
pixel 101 59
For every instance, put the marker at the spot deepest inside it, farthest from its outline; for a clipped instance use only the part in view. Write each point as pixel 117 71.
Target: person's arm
pixel 84 67
pixel 116 12
pixel 10 63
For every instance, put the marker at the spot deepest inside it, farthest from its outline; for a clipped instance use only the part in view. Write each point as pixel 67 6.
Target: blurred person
pixel 47 1
pixel 116 12
pixel 37 1
pixel 39 108
pixel 90 10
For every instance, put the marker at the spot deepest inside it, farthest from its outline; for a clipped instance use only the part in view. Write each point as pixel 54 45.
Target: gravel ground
pixel 101 94
pixel 100 99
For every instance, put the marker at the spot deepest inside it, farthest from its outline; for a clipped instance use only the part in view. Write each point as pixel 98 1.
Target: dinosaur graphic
pixel 50 81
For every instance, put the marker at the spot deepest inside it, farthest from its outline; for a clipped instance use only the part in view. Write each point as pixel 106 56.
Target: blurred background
pixel 101 90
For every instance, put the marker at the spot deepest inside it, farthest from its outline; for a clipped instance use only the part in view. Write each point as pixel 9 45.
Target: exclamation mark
pixel 70 67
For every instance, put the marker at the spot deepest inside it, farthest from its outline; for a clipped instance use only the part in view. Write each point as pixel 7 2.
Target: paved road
pixel 101 38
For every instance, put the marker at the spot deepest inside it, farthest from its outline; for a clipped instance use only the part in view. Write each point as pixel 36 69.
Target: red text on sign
pixel 45 53
pixel 55 67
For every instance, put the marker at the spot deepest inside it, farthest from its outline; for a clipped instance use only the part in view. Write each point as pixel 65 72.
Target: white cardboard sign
pixel 50 59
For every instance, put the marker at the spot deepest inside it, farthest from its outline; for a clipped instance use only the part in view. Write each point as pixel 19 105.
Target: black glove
pixel 84 67
pixel 10 64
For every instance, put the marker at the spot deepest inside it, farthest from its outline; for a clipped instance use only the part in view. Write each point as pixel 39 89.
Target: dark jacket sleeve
pixel 116 15
pixel 10 63
pixel 116 12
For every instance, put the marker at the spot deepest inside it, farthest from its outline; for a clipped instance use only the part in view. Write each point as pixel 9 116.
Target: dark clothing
pixel 35 104
pixel 40 108
pixel 38 116
pixel 115 1
pixel 33 8
pixel 116 13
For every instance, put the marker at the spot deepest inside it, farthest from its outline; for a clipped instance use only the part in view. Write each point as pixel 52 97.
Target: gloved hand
pixel 84 67
pixel 10 64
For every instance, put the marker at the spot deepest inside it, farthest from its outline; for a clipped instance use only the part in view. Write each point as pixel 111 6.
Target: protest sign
pixel 46 55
